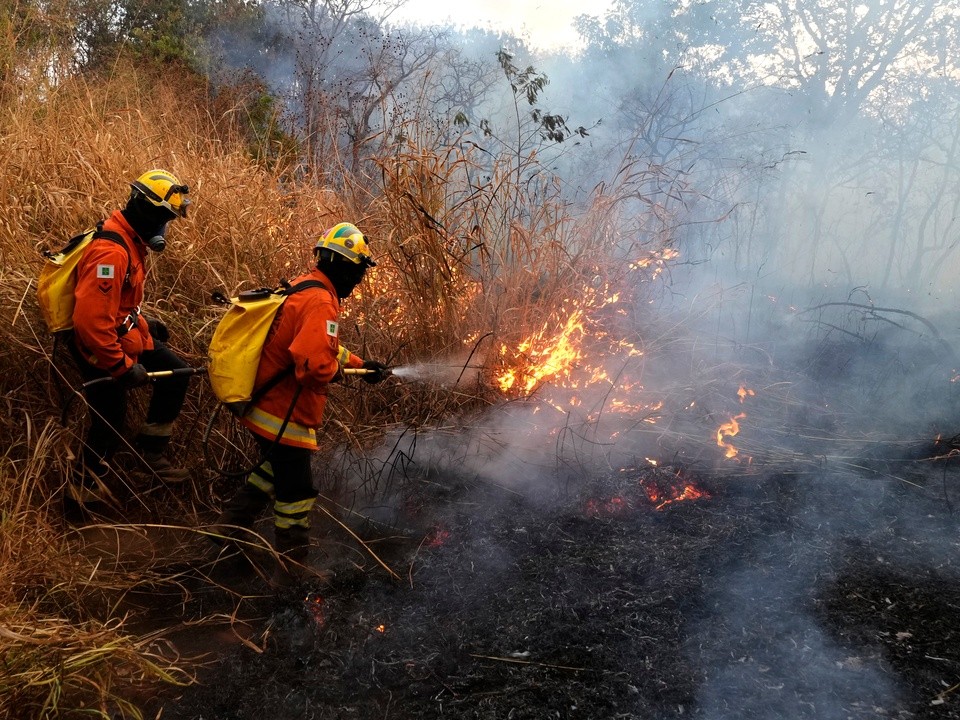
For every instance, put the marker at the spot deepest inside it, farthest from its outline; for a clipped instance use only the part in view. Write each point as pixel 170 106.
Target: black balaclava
pixel 344 275
pixel 149 221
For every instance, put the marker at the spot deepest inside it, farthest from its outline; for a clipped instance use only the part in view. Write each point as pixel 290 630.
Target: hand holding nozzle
pixel 372 371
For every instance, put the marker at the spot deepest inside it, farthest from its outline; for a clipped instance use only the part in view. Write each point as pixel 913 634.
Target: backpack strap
pixel 289 290
pixel 116 237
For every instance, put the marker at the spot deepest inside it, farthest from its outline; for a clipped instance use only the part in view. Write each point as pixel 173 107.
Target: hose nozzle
pixel 366 371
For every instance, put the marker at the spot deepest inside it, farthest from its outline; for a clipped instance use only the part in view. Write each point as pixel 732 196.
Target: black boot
pixel 239 515
pixel 152 441
pixel 293 546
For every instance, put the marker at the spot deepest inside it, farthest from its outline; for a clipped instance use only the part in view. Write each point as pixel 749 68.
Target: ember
pixel 656 488
pixel 313 604
pixel 662 491
pixel 606 508
pixel 437 536
pixel 689 492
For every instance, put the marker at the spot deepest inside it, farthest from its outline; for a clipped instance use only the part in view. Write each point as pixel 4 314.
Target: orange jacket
pixel 109 288
pixel 304 336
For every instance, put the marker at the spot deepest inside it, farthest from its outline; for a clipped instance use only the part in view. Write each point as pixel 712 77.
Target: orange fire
pixel 689 492
pixel 557 355
pixel 743 393
pixel 656 261
pixel 653 488
pixel 546 357
pixel 729 429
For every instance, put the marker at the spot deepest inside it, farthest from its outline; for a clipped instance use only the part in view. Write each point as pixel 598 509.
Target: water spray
pixel 435 372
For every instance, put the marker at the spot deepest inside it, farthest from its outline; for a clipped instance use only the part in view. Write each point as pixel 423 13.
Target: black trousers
pixel 291 476
pixel 107 401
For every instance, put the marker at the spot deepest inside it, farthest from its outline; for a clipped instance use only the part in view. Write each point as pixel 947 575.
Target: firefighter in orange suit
pixel 301 357
pixel 112 339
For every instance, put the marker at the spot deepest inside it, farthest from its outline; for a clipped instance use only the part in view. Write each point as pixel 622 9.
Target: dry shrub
pixel 58 658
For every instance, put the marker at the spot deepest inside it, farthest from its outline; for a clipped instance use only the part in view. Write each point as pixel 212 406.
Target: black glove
pixel 134 377
pixel 158 330
pixel 378 373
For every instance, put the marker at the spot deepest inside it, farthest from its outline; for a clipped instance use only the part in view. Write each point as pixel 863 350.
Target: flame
pixel 546 357
pixel 558 357
pixel 729 429
pixel 654 488
pixel 689 492
pixel 574 359
pixel 381 628
pixel 743 393
pixel 656 261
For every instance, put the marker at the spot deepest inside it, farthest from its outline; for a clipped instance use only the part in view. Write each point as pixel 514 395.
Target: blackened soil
pixel 763 597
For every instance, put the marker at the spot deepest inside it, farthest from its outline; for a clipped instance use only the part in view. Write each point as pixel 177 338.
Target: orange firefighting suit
pixel 303 349
pixel 110 335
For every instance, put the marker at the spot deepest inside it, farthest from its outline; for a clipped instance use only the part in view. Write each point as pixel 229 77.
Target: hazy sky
pixel 546 23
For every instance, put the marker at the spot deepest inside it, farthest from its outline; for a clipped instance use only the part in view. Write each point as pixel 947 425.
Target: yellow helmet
pixel 163 189
pixel 346 240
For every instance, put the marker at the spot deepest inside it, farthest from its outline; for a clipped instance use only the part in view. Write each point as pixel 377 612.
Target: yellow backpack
pixel 58 277
pixel 237 342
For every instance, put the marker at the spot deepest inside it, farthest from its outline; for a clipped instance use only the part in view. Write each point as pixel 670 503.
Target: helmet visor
pixel 173 200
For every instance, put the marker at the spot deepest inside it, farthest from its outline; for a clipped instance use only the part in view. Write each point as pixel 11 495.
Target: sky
pixel 546 24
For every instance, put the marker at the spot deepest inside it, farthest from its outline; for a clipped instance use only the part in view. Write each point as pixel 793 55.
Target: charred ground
pixel 810 595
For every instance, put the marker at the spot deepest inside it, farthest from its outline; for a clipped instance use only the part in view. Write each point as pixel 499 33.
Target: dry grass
pixel 59 657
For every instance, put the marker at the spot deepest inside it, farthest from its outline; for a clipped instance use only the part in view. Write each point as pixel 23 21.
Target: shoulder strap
pixel 305 285
pixel 116 238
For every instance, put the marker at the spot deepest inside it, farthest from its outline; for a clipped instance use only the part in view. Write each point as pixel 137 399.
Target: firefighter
pixel 301 357
pixel 112 339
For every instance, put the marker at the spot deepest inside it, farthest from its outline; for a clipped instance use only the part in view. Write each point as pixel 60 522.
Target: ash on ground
pixel 815 595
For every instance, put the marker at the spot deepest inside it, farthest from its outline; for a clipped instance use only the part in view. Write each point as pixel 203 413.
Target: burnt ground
pixel 813 595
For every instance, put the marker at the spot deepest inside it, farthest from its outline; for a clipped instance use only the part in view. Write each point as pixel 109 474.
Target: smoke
pixel 818 263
